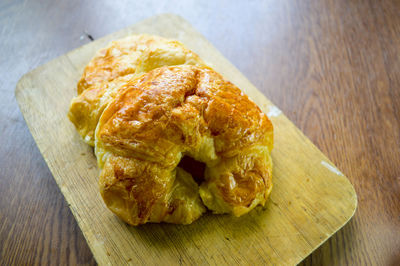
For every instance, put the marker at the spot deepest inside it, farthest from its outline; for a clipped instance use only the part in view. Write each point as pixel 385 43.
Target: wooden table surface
pixel 333 67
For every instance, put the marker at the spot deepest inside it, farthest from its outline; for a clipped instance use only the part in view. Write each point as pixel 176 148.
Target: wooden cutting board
pixel 310 201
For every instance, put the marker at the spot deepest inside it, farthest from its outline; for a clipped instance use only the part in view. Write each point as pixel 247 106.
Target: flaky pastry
pixel 145 103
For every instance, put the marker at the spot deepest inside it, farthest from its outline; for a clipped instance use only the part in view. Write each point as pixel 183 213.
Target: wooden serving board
pixel 310 200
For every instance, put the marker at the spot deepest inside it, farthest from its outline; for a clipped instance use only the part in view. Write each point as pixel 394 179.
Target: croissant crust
pixel 168 106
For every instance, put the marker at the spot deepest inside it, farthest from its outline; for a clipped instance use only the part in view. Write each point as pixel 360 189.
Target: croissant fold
pixel 145 103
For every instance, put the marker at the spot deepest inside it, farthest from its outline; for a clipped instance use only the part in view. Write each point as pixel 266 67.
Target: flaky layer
pixel 107 72
pixel 186 110
pixel 145 102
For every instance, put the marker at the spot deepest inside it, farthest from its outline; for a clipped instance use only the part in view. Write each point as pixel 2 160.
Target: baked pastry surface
pixel 103 76
pixel 143 123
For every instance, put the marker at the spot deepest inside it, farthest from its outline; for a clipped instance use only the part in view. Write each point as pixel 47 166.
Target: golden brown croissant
pixel 103 76
pixel 143 124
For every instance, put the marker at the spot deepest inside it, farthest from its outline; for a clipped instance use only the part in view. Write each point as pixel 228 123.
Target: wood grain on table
pixel 333 67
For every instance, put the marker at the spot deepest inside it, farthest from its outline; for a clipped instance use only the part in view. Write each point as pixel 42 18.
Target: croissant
pixel 149 106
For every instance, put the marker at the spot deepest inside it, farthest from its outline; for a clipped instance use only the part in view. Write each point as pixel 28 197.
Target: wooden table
pixel 333 67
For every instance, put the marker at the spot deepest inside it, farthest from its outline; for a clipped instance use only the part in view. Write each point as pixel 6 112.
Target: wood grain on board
pixel 310 201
